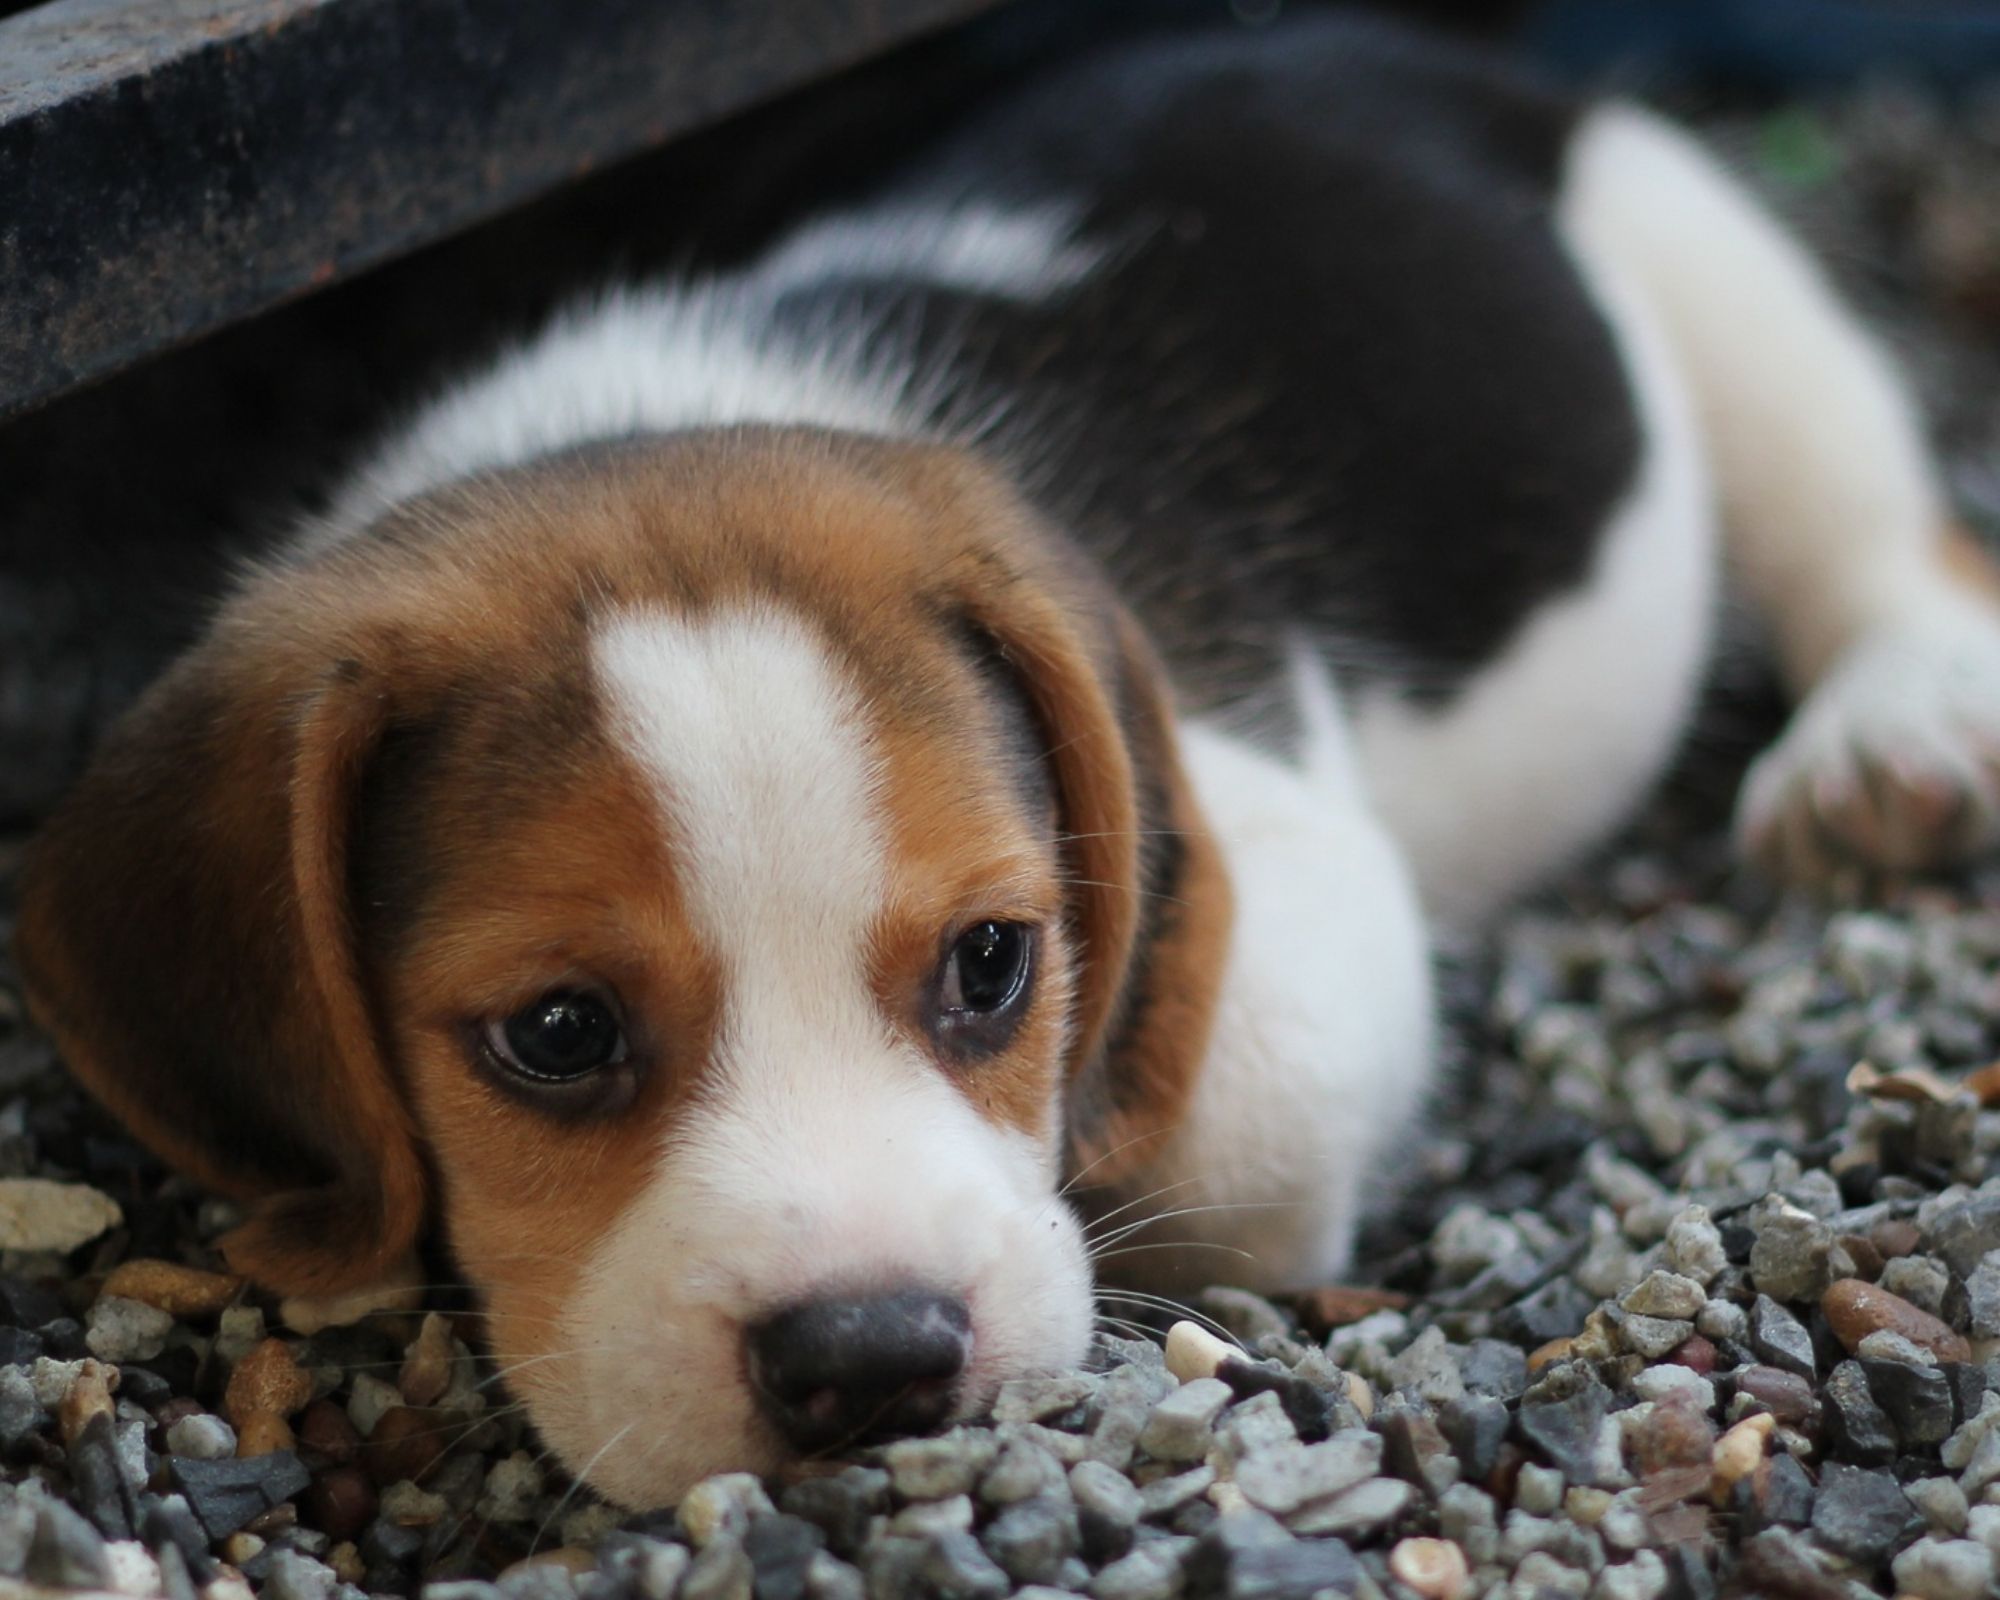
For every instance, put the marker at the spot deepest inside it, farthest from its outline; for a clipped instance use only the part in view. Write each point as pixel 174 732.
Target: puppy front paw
pixel 1892 763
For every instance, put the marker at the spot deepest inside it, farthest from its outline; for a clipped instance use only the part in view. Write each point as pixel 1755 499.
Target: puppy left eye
pixel 565 1035
pixel 986 972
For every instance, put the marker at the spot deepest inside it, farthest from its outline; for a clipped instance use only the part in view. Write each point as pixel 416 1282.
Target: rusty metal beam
pixel 168 166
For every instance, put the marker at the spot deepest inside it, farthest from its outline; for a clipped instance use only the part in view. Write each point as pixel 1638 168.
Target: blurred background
pixel 1874 125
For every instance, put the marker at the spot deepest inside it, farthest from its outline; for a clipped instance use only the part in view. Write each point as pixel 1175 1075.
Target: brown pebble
pixel 408 1443
pixel 1862 1252
pixel 281 1516
pixel 569 1559
pixel 1323 1310
pixel 1786 1395
pixel 1434 1568
pixel 340 1502
pixel 1855 1309
pixel 1896 1236
pixel 346 1562
pixel 170 1287
pixel 1548 1354
pixel 1985 1084
pixel 1675 1434
pixel 325 1428
pixel 270 1379
pixel 1697 1355
pixel 427 1363
pixel 263 1433
pixel 241 1547
pixel 89 1396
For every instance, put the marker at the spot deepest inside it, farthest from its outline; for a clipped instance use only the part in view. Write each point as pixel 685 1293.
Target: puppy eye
pixel 565 1035
pixel 986 972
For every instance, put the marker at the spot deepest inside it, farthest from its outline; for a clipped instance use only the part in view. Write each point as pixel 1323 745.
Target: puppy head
pixel 709 880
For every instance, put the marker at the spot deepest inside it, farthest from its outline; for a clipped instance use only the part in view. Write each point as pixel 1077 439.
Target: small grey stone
pixel 1941 1501
pixel 653 1568
pixel 1657 1383
pixel 1857 1427
pixel 445 1589
pixel 956 1568
pixel 1125 1401
pixel 1248 1558
pixel 291 1576
pixel 936 1469
pixel 1654 1337
pixel 1251 1427
pixel 1541 1574
pixel 1182 1426
pixel 1964 1234
pixel 1644 1577
pixel 840 1504
pixel 514 1482
pixel 1359 1510
pixel 1567 1432
pixel 224 1495
pixel 1780 1338
pixel 1695 1247
pixel 1917 1399
pixel 830 1578
pixel 1475 1426
pixel 1466 1517
pixel 1921 1280
pixel 126 1330
pixel 722 1571
pixel 1108 1508
pixel 1025 1469
pixel 922 1518
pixel 780 1547
pixel 1494 1367
pixel 66 1552
pixel 1539 1490
pixel 1858 1513
pixel 1034 1399
pixel 1283 1480
pixel 1165 1495
pixel 1982 1293
pixel 1151 1572
pixel 203 1436
pixel 1031 1540
pixel 1884 1344
pixel 1722 1319
pixel 21 1414
pixel 1795 1256
pixel 1944 1569
pixel 1427 1369
pixel 1666 1294
pixel 1523 1532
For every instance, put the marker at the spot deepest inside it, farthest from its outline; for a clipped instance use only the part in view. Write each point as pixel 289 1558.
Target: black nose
pixel 844 1371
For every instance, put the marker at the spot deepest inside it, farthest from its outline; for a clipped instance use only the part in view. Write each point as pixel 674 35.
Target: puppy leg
pixel 1322 1047
pixel 1887 622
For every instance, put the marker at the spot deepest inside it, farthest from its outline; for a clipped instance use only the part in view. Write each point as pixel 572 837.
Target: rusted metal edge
pixel 168 166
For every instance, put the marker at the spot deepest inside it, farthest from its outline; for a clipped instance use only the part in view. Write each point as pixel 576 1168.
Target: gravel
pixel 1675 1306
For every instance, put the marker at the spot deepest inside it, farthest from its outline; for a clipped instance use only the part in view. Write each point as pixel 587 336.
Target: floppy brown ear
pixel 186 936
pixel 1151 905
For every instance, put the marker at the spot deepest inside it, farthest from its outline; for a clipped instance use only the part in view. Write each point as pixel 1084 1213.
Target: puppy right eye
pixel 564 1036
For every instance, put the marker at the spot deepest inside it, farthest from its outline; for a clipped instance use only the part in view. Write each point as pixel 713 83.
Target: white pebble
pixel 1944 1569
pixel 202 1436
pixel 1193 1352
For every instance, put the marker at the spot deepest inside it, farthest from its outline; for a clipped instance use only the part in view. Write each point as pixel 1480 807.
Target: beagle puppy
pixel 755 814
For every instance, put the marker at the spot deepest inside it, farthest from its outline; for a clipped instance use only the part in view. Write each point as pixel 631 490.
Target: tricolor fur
pixel 1244 497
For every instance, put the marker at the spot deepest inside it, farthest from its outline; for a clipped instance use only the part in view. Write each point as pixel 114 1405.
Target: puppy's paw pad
pixel 1891 765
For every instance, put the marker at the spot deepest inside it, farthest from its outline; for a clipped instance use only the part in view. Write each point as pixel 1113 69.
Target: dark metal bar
pixel 167 166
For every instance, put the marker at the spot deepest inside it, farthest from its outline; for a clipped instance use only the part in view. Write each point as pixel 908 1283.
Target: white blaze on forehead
pixel 828 1155
pixel 760 757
